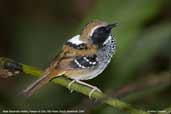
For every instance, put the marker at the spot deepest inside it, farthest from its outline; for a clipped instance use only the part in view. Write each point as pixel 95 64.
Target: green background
pixel 33 31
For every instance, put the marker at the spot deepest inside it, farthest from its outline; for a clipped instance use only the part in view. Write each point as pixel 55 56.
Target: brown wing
pixel 64 59
pixel 59 65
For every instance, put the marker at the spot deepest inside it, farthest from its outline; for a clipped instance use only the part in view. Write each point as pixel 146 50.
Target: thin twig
pixel 13 66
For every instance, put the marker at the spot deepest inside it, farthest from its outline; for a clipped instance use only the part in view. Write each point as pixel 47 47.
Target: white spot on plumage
pixel 83 67
pixel 79 65
pixel 76 40
pixel 93 63
pixel 85 58
pixel 107 40
pixel 97 59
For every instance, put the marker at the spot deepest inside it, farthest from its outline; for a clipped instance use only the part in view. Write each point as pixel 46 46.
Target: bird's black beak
pixel 110 26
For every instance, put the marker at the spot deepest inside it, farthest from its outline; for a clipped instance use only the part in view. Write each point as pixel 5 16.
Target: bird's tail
pixel 38 84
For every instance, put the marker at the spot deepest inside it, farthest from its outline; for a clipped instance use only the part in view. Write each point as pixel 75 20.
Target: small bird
pixel 82 57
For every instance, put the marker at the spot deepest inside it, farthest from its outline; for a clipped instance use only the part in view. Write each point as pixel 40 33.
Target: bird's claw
pixel 93 90
pixel 69 85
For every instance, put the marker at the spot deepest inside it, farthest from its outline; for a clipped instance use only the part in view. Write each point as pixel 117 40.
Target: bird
pixel 82 57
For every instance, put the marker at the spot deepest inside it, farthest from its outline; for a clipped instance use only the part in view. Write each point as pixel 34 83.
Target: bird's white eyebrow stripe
pixel 76 40
pixel 91 33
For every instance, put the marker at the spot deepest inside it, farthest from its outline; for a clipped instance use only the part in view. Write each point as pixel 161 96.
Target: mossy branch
pixel 12 68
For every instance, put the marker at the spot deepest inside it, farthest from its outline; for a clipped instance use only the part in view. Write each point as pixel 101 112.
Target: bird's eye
pixel 100 35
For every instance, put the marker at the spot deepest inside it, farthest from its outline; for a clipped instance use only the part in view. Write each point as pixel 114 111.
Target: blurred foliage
pixel 33 32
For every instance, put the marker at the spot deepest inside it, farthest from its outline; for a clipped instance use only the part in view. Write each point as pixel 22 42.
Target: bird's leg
pixel 94 88
pixel 69 85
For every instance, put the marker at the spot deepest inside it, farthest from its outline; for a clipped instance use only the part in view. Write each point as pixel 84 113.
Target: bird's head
pixel 96 32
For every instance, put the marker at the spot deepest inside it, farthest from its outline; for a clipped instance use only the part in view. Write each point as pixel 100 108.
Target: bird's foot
pixel 94 88
pixel 69 85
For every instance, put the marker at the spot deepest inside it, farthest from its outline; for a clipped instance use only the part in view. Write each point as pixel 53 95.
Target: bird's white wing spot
pixel 76 40
pixel 85 58
pixel 79 65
